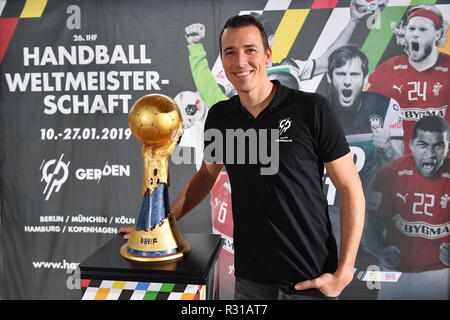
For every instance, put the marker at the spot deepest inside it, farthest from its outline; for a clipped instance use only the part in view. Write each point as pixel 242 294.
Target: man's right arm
pixel 196 189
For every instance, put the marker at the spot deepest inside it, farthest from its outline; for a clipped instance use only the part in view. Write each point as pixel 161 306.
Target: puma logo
pixel 397 88
pixel 403 197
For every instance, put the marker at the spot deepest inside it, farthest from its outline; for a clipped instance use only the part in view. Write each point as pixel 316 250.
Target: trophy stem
pixel 156 236
pixel 154 208
pixel 155 170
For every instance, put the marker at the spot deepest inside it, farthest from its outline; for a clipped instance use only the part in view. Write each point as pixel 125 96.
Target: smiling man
pixel 245 55
pixel 414 204
pixel 418 80
pixel 283 242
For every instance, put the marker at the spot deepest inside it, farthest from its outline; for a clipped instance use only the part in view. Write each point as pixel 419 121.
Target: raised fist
pixel 194 33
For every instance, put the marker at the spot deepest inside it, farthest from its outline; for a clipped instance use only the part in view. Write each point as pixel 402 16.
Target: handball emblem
pixel 284 125
pixel 54 173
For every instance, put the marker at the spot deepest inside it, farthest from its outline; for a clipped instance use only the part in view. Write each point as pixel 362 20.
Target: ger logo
pixel 54 173
pixel 284 125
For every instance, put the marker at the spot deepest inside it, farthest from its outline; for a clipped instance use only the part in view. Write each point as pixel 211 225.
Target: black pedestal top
pixel 107 263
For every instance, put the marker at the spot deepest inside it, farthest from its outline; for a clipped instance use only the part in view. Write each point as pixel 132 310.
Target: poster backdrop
pixel 71 172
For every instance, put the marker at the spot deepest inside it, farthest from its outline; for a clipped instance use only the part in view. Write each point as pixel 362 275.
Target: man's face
pixel 244 58
pixel 348 82
pixel 429 150
pixel 420 37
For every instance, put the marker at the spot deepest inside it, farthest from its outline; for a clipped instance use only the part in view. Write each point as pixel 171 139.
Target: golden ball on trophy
pixel 154 118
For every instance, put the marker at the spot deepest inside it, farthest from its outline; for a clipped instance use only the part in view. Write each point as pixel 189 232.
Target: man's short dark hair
pixel 267 25
pixel 431 124
pixel 241 21
pixel 342 55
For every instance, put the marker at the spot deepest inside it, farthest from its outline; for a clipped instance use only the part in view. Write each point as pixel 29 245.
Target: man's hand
pixel 164 150
pixel 381 139
pixel 355 14
pixel 391 149
pixel 194 33
pixel 125 232
pixel 330 284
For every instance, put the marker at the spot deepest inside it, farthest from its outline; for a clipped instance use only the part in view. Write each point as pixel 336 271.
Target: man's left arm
pixel 345 178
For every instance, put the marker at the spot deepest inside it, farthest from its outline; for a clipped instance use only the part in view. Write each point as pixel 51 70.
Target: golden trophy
pixel 155 121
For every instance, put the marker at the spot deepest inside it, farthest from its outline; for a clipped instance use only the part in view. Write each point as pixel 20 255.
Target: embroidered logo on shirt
pixel 375 122
pixel 405 172
pixel 284 126
pixel 401 66
pixel 436 88
pixel 397 88
pixel 440 68
pixel 444 200
pixel 403 197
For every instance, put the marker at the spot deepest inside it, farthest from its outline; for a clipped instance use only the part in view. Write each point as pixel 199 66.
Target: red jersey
pixel 419 94
pixel 222 215
pixel 222 221
pixel 417 212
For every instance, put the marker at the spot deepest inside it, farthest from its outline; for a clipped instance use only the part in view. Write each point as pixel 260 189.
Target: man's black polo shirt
pixel 282 232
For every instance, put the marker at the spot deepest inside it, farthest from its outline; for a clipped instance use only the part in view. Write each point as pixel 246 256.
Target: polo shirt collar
pixel 280 94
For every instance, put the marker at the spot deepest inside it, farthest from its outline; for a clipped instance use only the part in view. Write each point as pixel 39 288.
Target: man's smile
pixel 242 74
